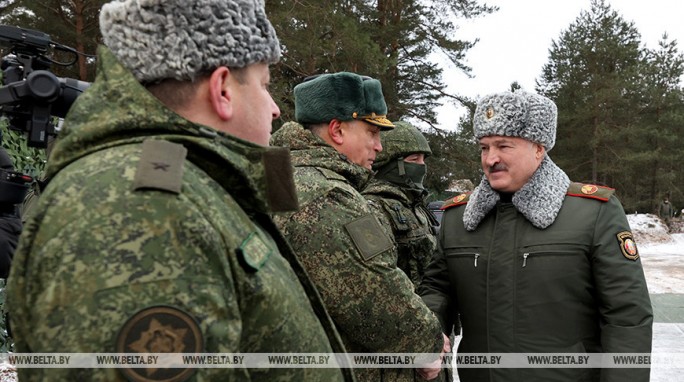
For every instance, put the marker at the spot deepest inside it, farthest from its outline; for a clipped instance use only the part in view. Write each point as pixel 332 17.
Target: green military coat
pixel 153 235
pixel 574 286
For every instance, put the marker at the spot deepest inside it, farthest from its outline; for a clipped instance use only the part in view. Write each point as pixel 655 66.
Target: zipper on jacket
pixel 475 256
pixel 550 253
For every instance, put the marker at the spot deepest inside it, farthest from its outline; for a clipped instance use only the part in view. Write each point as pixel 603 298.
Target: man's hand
pixel 431 371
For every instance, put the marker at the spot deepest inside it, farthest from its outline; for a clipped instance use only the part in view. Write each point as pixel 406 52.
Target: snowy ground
pixel 664 265
pixel 662 254
pixel 662 257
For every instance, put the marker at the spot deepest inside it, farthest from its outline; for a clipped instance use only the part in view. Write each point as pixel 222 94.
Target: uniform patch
pixel 368 236
pixel 254 251
pixel 627 245
pixel 159 329
pixel 589 189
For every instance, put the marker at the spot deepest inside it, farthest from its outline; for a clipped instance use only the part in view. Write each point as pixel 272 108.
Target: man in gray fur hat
pixel 153 234
pixel 534 263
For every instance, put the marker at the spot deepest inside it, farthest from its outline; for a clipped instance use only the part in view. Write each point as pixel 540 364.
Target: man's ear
pixel 539 151
pixel 220 93
pixel 336 132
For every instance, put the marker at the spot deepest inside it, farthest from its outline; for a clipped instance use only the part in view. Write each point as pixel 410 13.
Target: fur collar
pixel 539 200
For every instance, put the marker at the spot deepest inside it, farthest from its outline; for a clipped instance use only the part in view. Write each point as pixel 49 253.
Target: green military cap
pixel 344 96
pixel 402 141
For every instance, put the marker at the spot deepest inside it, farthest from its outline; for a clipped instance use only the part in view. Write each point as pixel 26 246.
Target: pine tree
pixel 320 37
pixel 409 32
pixel 592 76
pixel 455 156
pixel 658 163
pixel 74 23
pixel 391 40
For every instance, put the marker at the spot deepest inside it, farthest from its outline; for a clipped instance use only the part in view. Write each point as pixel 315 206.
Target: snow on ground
pixel 648 229
pixel 662 254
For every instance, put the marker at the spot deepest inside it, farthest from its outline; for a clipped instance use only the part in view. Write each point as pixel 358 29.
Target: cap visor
pixel 382 122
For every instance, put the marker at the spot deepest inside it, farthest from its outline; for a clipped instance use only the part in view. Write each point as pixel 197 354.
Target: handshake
pixel 431 371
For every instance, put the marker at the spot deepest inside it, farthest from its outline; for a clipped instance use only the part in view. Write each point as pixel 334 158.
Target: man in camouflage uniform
pixel 348 254
pixel 10 221
pixel 153 234
pixel 666 212
pixel 533 262
pixel 10 229
pixel 396 193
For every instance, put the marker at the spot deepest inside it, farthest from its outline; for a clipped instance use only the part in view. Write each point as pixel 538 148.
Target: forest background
pixel 620 104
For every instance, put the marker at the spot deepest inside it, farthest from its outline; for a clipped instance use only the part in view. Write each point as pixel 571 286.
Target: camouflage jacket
pixel 350 256
pixel 135 248
pixel 412 224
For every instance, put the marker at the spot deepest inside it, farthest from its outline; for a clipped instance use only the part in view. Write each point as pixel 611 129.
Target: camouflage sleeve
pixel 371 301
pixel 407 257
pixel 624 304
pixel 383 216
pixel 96 254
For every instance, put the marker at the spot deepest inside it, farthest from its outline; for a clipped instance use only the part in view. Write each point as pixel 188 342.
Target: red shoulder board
pixel 590 191
pixel 456 201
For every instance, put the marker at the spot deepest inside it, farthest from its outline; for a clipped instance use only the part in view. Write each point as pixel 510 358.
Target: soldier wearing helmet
pixel 397 194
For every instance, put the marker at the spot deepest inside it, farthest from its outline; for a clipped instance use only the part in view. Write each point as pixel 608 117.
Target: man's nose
pixel 491 158
pixel 378 145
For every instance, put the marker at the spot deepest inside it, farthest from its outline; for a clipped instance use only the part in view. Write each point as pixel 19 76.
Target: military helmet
pixel 402 141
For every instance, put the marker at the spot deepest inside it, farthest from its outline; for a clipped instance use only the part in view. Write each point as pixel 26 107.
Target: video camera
pixel 32 95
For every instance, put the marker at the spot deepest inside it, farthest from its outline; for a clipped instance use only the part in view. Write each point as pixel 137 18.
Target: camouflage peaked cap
pixel 404 140
pixel 520 114
pixel 344 96
pixel 181 39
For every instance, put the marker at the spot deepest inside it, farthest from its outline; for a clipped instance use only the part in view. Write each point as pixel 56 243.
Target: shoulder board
pixel 456 201
pixel 160 166
pixel 590 191
pixel 330 174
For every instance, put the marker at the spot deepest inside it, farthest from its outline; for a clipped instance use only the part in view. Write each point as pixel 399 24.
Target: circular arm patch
pixel 159 329
pixel 627 245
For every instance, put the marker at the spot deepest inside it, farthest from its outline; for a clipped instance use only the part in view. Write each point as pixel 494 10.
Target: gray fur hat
pixel 520 114
pixel 180 39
